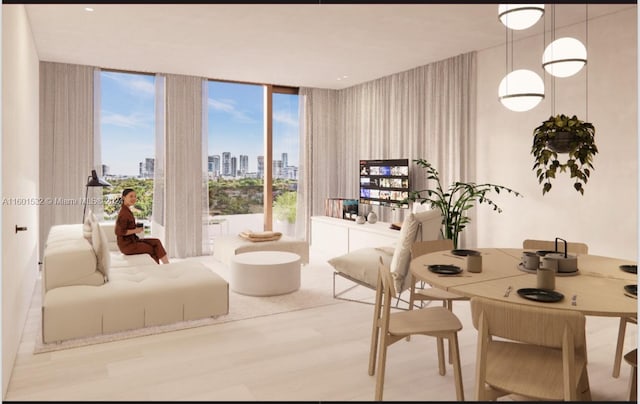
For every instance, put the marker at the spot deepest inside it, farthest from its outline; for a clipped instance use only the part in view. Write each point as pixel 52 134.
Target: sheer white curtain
pixel 427 112
pixel 66 142
pixel 157 213
pixel 183 169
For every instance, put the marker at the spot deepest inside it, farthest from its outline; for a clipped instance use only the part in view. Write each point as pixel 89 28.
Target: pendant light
pixel 566 56
pixel 520 90
pixel 520 16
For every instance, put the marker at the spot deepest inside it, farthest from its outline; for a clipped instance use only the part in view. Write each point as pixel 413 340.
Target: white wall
pixel 20 82
pixel 606 216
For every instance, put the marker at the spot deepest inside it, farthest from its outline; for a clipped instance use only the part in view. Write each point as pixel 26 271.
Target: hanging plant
pixel 557 135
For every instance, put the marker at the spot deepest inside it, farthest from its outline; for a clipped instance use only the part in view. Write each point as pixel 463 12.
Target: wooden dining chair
pixel 389 328
pixel 622 330
pixel 575 248
pixel 427 294
pixel 540 352
pixel 632 359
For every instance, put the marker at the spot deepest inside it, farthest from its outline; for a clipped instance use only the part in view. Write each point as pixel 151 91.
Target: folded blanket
pixel 260 236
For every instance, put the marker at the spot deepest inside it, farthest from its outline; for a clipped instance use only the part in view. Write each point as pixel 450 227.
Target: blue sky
pixel 235 111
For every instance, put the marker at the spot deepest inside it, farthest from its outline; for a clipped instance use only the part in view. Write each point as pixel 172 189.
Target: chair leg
pixel 619 347
pixel 450 307
pixel 457 372
pixel 382 362
pixel 441 368
pixel 633 384
pixel 374 349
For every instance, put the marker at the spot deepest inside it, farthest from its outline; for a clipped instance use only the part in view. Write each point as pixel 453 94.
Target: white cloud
pixel 285 117
pixel 134 120
pixel 228 106
pixel 134 85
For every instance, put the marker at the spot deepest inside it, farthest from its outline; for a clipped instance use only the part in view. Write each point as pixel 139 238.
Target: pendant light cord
pixel 586 34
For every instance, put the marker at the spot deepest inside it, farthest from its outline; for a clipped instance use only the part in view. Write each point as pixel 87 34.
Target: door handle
pixel 21 228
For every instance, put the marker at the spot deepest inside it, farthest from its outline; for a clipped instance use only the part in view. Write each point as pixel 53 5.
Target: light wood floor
pixel 318 354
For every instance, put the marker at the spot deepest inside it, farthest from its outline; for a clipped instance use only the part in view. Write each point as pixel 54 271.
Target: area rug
pixel 315 291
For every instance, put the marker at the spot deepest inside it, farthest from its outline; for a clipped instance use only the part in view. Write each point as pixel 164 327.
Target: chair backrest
pixel 533 325
pixel 415 227
pixel 575 248
pixel 425 247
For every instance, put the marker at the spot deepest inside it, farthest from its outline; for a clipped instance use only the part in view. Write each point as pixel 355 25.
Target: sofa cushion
pixel 70 262
pixel 362 264
pixel 101 248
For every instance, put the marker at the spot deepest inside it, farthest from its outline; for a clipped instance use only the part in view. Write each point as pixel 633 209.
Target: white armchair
pixel 361 266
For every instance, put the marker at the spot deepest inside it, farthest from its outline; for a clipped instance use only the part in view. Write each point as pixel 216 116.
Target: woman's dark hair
pixel 126 191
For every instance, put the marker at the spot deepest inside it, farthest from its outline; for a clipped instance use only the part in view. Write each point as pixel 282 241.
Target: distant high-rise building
pixel 244 165
pixel 226 163
pixel 105 170
pixel 285 160
pixel 210 164
pixel 140 169
pixel 216 165
pixel 260 166
pixel 277 169
pixel 234 166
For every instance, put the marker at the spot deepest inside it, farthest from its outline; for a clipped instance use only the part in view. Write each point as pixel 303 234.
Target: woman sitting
pixel 126 231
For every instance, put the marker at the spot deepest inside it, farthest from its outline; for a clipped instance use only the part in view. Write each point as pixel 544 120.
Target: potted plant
pixel 455 201
pixel 561 134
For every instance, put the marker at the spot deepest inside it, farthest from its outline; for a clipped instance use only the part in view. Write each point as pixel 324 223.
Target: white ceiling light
pixel 564 57
pixel 520 16
pixel 521 90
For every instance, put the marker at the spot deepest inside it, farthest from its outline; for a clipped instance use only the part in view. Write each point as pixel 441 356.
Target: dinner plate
pixel 631 289
pixel 464 253
pixel 533 271
pixel 632 269
pixel 540 295
pixel 445 269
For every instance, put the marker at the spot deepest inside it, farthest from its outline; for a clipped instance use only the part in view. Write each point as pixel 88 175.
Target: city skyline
pixel 235 121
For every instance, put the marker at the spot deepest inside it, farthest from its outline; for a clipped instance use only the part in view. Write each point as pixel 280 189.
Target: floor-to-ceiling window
pixel 237 163
pixel 127 139
pixel 285 133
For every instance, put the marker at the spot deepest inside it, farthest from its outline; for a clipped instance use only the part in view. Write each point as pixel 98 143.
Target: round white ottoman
pixel 265 273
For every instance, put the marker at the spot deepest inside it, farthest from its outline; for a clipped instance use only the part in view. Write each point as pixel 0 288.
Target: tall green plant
pixel 455 201
pixel 284 207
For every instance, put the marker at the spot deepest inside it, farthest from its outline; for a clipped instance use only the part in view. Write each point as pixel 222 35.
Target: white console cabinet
pixel 333 236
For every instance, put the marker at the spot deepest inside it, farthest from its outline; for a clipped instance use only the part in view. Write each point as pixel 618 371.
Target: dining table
pixel 597 288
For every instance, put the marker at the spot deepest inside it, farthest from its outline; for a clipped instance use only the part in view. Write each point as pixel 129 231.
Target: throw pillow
pixel 402 254
pixel 430 224
pixel 101 249
pixel 86 226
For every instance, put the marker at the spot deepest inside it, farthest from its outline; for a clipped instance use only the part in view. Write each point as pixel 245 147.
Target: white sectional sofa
pixel 90 288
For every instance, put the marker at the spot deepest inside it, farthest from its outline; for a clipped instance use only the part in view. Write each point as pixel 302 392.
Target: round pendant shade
pixel 520 16
pixel 521 90
pixel 564 57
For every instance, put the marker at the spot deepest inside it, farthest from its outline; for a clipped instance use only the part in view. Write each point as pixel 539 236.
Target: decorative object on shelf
pixel 455 201
pixel 520 16
pixel 561 134
pixel 520 90
pixel 372 217
pixel 360 220
pixel 92 181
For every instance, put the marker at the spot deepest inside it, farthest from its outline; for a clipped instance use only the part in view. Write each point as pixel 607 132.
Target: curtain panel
pixel 66 143
pixel 183 166
pixel 427 112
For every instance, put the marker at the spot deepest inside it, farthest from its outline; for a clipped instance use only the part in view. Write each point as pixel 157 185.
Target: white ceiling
pixel 306 45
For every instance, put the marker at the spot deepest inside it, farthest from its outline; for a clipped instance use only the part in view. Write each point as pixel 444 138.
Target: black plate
pixel 540 295
pixel 464 253
pixel 445 269
pixel 631 289
pixel 632 269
